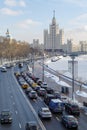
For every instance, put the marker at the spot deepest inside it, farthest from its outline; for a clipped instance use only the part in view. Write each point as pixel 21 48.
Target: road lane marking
pixel 16 112
pixel 20 125
pixel 57 118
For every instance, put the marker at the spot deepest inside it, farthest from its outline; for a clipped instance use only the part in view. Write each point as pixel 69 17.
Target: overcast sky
pixel 26 19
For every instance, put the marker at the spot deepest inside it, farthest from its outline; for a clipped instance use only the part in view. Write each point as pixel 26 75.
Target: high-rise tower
pixel 54 39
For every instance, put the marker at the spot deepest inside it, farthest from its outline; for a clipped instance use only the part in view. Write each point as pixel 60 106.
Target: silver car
pixel 32 94
pixel 44 112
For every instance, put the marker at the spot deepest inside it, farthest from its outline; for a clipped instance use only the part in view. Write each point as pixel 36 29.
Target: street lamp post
pixel 73 92
pixel 43 68
pixel 73 77
pixel 33 63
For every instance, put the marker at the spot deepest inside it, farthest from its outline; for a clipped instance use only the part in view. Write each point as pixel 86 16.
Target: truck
pixel 56 106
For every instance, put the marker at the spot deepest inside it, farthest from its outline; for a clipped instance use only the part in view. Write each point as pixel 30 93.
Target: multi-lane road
pixel 23 109
pixel 13 98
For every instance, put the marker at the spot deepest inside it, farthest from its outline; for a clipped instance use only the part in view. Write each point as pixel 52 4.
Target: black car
pixel 39 82
pixel 49 90
pixel 48 98
pixel 29 89
pixel 36 88
pixel 57 94
pixel 32 125
pixel 5 117
pixel 20 65
pixel 69 121
pixel 72 108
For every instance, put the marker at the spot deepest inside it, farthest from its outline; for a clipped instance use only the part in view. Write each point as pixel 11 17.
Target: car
pixel 44 85
pixel 34 78
pixel 20 65
pixel 21 80
pixel 29 74
pixel 26 78
pixel 32 125
pixel 8 66
pixel 3 69
pixel 36 88
pixel 64 99
pixel 44 112
pixel 48 97
pixel 57 94
pixel 32 94
pixel 30 81
pixel 69 121
pixel 24 75
pixel 39 82
pixel 56 106
pixel 72 108
pixel 41 92
pixel 5 117
pixel 17 74
pixel 29 89
pixel 49 90
pixel 33 84
pixel 24 85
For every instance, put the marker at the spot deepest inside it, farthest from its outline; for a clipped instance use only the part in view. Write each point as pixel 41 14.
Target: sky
pixel 26 19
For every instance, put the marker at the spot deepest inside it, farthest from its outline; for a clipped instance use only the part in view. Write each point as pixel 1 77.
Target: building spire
pixel 7 34
pixel 54 19
pixel 54 13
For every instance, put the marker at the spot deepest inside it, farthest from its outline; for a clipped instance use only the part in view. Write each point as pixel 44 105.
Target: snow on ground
pixel 81 93
pixel 85 86
pixel 56 79
pixel 62 65
pixel 64 84
pixel 68 74
pixel 49 75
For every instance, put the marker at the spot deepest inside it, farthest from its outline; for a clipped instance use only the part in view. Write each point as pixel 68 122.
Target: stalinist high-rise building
pixel 54 38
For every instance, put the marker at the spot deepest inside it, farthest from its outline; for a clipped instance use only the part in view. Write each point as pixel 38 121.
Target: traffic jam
pixel 54 102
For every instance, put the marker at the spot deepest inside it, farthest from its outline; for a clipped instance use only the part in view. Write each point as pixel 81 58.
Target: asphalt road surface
pixel 12 98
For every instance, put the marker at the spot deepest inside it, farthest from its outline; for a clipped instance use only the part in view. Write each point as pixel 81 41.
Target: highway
pixel 13 98
pixel 23 109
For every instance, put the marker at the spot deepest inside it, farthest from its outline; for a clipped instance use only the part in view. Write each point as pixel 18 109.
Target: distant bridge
pixel 77 53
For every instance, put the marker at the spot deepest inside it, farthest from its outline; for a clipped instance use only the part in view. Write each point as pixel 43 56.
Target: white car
pixel 3 69
pixel 32 94
pixel 44 112
pixel 44 85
